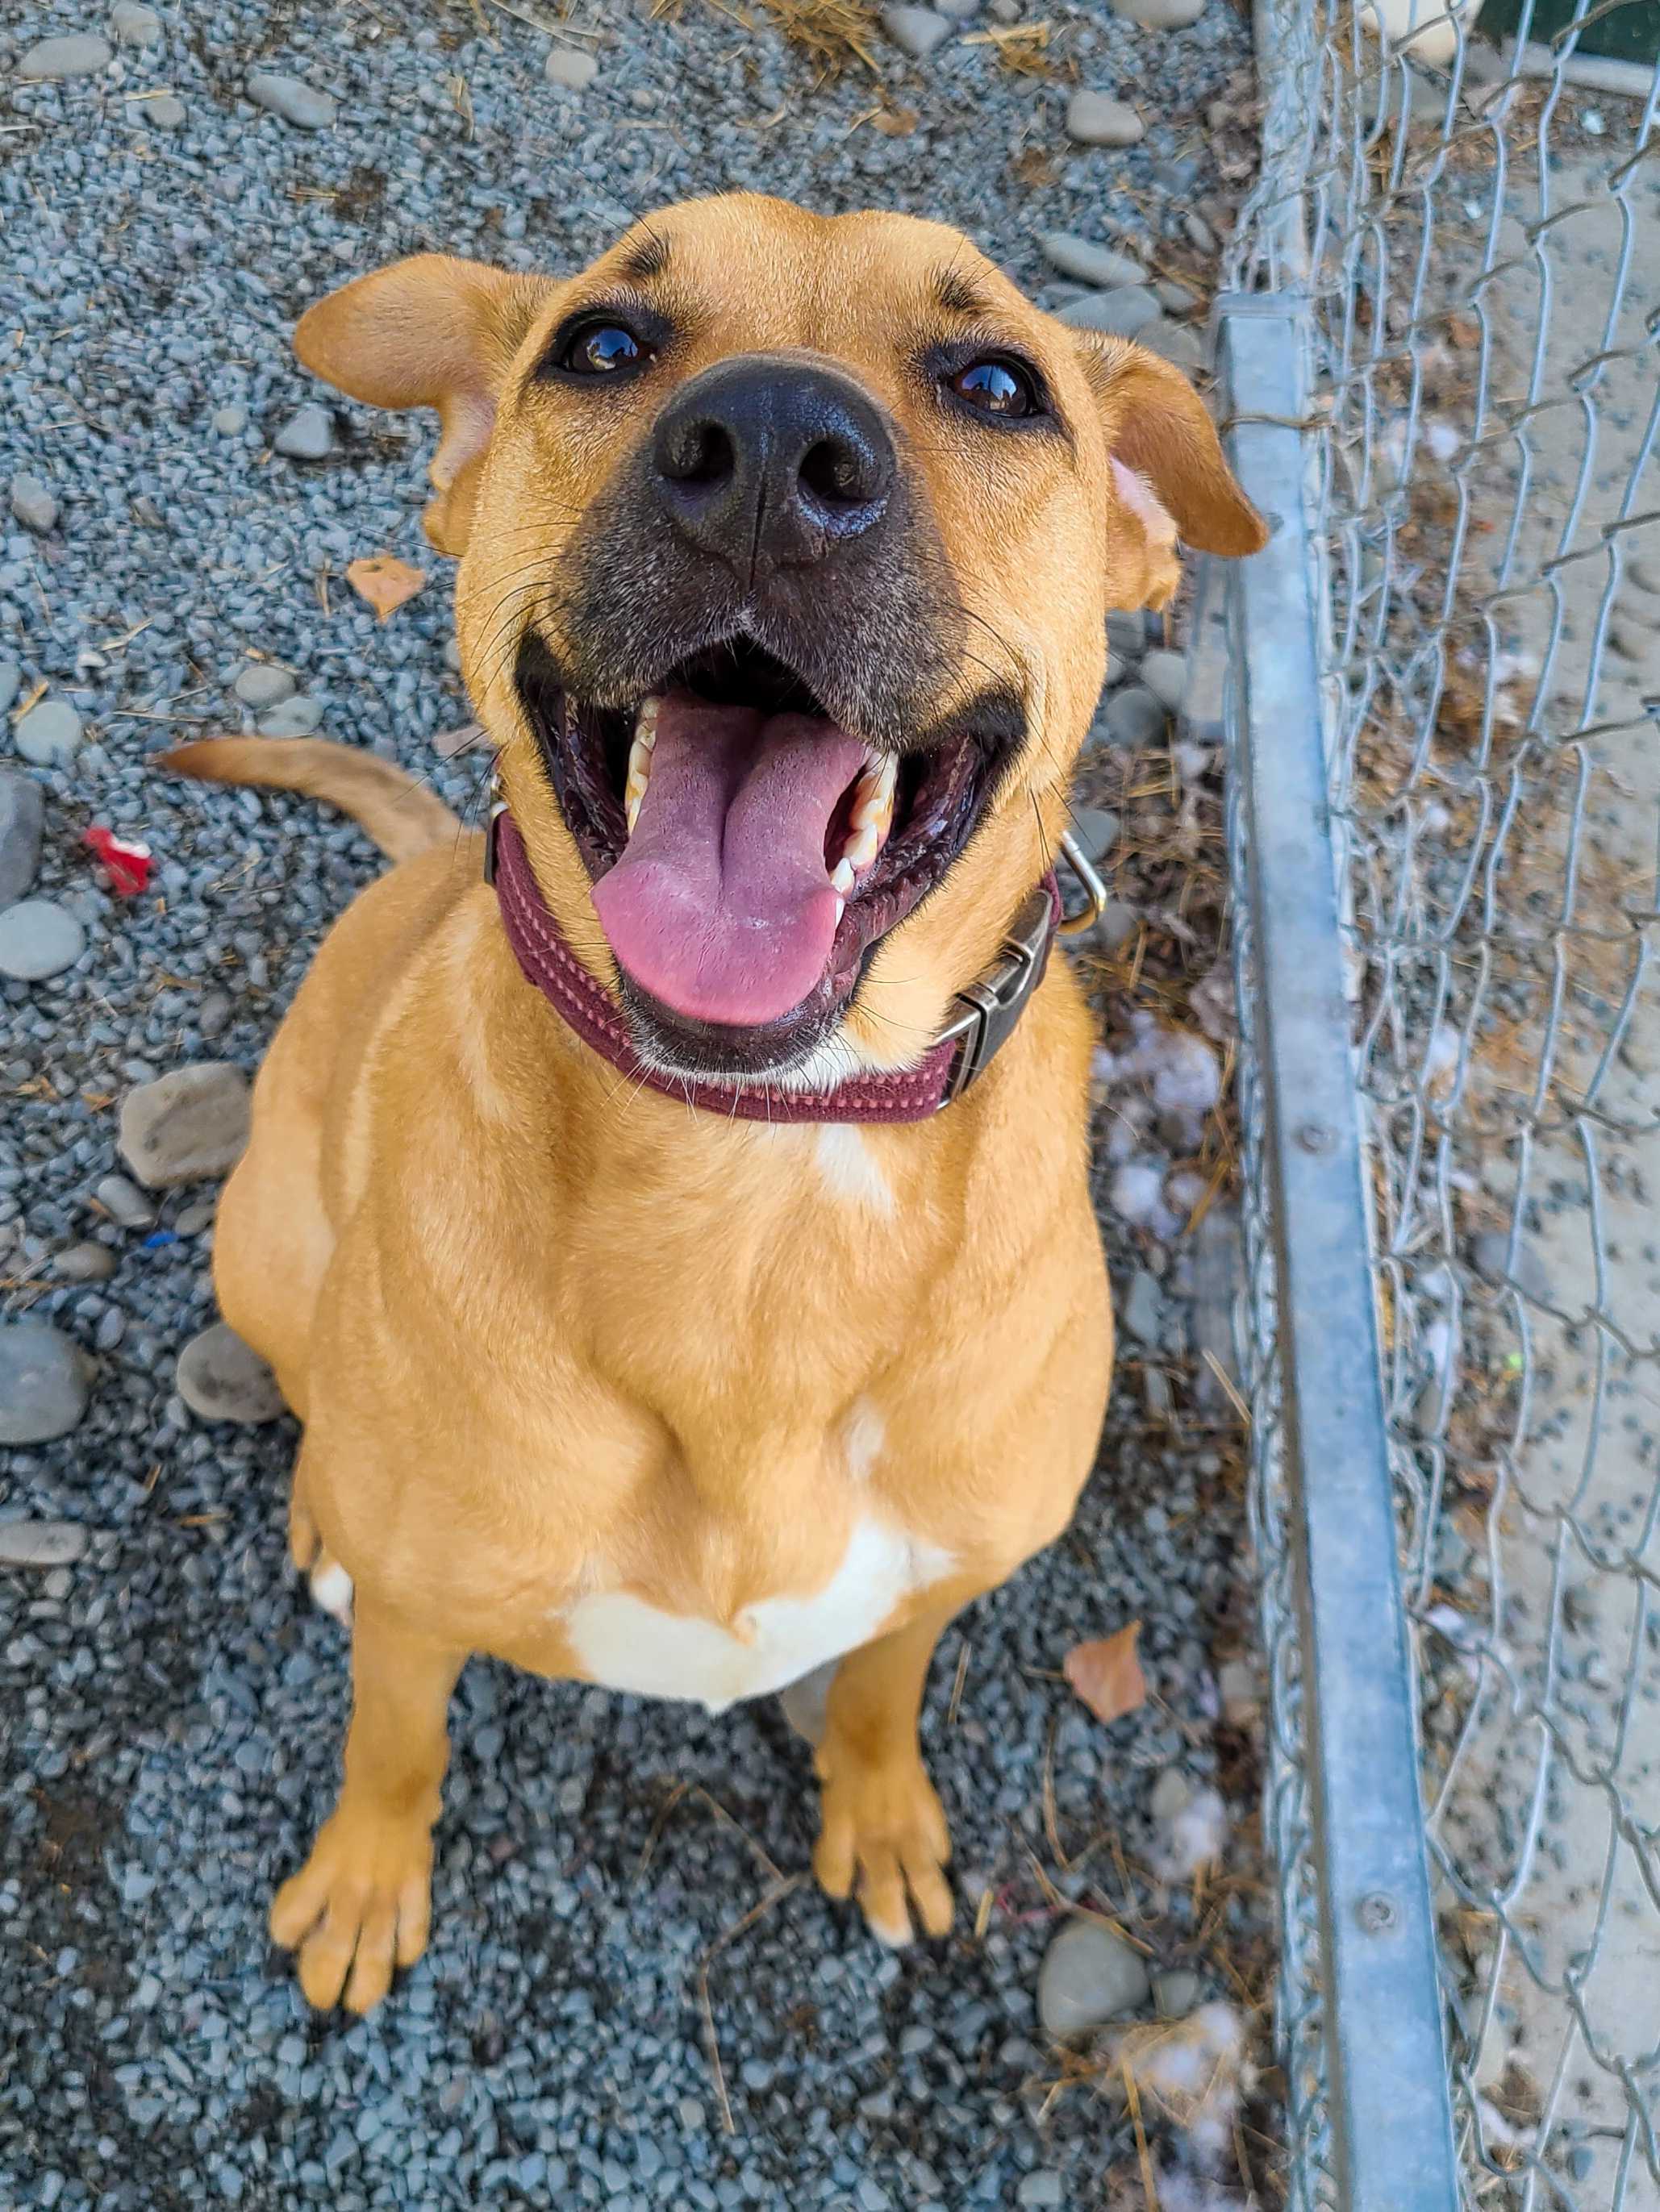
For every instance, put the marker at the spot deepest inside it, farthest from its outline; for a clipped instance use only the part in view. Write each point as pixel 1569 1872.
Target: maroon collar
pixel 983 1014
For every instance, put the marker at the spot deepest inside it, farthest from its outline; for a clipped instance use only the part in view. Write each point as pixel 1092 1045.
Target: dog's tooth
pixel 645 722
pixel 841 908
pixel 841 875
pixel 639 775
pixel 862 849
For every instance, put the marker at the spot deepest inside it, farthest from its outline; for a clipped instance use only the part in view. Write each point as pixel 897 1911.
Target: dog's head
pixel 785 545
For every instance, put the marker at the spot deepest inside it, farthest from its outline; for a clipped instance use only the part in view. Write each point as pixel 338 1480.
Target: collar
pixel 982 1016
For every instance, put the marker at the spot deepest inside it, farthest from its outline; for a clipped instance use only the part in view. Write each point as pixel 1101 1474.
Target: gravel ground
pixel 595 2022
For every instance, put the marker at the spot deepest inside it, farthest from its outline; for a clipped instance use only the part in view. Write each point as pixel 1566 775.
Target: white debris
pixel 1181 1068
pixel 1137 1197
pixel 1441 440
pixel 1191 2074
pixel 1195 1837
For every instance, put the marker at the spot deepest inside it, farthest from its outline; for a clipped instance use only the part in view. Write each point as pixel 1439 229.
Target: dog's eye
pixel 601 348
pixel 996 387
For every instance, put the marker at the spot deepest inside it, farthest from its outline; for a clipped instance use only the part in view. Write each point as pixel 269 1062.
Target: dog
pixel 668 1216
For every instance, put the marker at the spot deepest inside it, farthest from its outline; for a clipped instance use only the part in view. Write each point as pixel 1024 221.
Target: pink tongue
pixel 721 905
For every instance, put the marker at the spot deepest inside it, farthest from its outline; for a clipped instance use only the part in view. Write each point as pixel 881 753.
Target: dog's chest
pixel 624 1641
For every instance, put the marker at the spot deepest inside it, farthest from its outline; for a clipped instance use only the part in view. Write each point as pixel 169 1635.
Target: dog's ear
pixel 1168 467
pixel 431 331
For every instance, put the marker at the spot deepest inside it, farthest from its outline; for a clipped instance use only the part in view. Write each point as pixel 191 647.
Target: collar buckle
pixel 994 1002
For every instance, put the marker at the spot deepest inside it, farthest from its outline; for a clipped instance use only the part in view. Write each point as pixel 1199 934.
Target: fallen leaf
pixel 895 122
pixel 385 581
pixel 1107 1674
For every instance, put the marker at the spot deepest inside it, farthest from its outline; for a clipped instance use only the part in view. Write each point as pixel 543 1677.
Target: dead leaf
pixel 1107 1674
pixel 1464 332
pixel 895 122
pixel 385 581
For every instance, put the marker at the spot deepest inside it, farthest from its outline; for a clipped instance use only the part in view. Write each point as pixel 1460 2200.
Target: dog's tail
pixel 400 813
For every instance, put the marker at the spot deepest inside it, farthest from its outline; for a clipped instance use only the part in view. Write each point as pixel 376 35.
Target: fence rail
pixel 1440 361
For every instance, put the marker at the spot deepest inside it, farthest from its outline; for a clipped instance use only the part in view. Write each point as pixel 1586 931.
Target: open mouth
pixel 747 851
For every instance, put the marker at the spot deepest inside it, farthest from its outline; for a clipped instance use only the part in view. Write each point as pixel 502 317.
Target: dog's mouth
pixel 746 851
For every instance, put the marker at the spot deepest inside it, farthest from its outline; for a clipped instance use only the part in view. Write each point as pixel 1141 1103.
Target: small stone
pixel 570 69
pixel 917 30
pixel 1127 635
pixel 307 436
pixel 125 1203
pixel 230 422
pixel 11 683
pixel 1120 314
pixel 1096 829
pixel 1101 267
pixel 33 503
pixel 1236 1684
pixel 111 1328
pixel 1643 570
pixel 290 97
pixel 1180 299
pixel 78 55
pixel 43 1380
pixel 291 718
pixel 1633 640
pixel 1172 1794
pixel 1165 675
pixel 195 1219
pixel 132 24
pixel 22 817
pixel 1491 1255
pixel 165 112
pixel 1199 233
pixel 1006 11
pixel 187 1125
pixel 261 684
pixel 38 938
pixel 1135 718
pixel 960 11
pixel 1178 342
pixel 86 1262
pixel 1143 1309
pixel 50 734
pixel 41 1543
pixel 221 1378
pixel 1095 119
pixel 1161 14
pixel 1090 1976
pixel 1118 925
pixel 1044 2188
pixel 1175 1992
pixel 216 1014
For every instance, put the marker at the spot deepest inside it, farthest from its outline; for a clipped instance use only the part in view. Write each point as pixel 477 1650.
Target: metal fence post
pixel 1390 2121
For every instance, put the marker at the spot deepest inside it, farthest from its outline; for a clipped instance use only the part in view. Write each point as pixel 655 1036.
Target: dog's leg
pixel 361 1903
pixel 882 1832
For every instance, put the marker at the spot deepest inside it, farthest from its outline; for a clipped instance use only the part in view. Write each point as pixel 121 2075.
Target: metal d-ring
pixel 1095 891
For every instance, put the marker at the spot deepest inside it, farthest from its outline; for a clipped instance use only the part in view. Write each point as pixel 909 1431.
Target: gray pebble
pixel 193 1219
pixel 11 683
pixel 111 1328
pixel 307 436
pixel 1176 342
pixel 186 1126
pixel 570 69
pixel 1127 635
pixel 41 1543
pixel 50 734
pixel 132 24
pixel 214 1015
pixel 918 31
pixel 1171 1796
pixel 78 55
pixel 1044 2188
pixel 38 938
pixel 1490 1253
pixel 85 1262
pixel 1143 1309
pixel 22 819
pixel 291 718
pixel 221 1378
pixel 1135 718
pixel 230 422
pixel 1095 119
pixel 1103 268
pixel 164 112
pixel 263 684
pixel 290 97
pixel 125 1203
pixel 1180 299
pixel 1175 1992
pixel 44 1380
pixel 1096 829
pixel 1198 233
pixel 1120 314
pixel 1165 675
pixel 33 503
pixel 1089 1976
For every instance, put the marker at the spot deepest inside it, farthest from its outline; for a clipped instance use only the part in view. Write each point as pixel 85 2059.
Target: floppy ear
pixel 1158 430
pixel 431 331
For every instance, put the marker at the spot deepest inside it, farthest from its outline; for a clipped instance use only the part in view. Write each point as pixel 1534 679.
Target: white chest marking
pixel 850 1169
pixel 628 1645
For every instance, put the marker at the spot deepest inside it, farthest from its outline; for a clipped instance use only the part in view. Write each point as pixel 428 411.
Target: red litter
pixel 125 861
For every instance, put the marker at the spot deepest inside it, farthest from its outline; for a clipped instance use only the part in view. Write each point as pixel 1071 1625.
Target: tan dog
pixel 786 544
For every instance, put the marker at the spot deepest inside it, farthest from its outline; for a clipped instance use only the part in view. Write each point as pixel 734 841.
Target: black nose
pixel 771 463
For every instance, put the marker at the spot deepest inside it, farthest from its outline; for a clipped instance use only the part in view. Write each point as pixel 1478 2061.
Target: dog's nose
pixel 770 463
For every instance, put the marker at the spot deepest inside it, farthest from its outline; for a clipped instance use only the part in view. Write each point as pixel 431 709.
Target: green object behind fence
pixel 1629 32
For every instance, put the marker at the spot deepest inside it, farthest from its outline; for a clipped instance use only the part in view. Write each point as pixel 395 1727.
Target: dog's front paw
pixel 359 1906
pixel 883 1837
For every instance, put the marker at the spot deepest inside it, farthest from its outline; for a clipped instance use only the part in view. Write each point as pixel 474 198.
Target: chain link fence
pixel 1440 359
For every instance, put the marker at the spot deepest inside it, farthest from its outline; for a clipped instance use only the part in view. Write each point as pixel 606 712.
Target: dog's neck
pixel 983 1014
